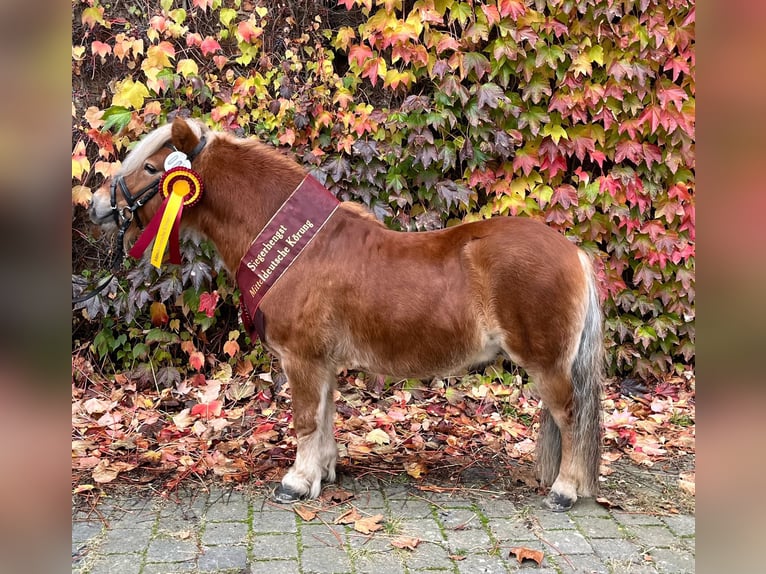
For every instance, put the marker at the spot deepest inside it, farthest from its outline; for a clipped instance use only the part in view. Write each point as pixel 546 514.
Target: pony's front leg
pixel 312 387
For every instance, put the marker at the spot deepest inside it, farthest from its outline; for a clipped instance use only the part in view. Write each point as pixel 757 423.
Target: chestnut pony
pixel 364 297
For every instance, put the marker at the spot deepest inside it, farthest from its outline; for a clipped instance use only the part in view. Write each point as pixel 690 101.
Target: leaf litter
pixel 238 428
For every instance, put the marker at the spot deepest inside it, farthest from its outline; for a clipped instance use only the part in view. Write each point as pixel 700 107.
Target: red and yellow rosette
pixel 181 187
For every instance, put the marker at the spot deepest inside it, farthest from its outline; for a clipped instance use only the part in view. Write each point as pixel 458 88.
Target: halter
pixel 124 216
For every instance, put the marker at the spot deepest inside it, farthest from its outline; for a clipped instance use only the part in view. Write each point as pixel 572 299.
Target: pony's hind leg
pixel 556 463
pixel 312 387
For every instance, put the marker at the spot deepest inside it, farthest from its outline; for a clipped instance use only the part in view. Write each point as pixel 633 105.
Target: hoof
pixel 558 502
pixel 286 495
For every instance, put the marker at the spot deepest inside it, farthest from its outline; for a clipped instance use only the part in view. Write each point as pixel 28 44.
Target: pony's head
pixel 132 194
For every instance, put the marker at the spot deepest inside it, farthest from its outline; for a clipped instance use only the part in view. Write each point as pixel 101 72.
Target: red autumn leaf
pixel 512 8
pixel 359 54
pixel 565 195
pixel 100 49
pixel 207 303
pixel 158 313
pixel 209 46
pixel 523 553
pixel 197 360
pixel 207 410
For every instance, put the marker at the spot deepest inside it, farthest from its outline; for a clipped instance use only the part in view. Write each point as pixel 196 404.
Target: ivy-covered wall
pixel 433 112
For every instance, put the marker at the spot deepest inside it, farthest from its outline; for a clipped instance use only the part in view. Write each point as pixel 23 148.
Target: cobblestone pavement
pixel 227 531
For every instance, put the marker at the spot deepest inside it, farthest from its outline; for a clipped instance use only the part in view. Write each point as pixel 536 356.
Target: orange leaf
pixel 81 195
pixel 523 553
pixel 408 542
pixel 415 469
pixel 369 524
pixel 305 512
pixel 231 348
pixel 158 314
pixel 348 517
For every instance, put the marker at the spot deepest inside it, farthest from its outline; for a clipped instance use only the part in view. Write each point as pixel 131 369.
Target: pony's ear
pixel 183 137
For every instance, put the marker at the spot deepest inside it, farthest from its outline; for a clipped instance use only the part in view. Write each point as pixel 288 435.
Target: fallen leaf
pixel 348 517
pixel 405 542
pixel 335 494
pixel 305 512
pixel 606 503
pixel 686 482
pixel 457 557
pixel 207 410
pixel 369 524
pixel 378 436
pixel 415 469
pixel 523 553
pixel 83 488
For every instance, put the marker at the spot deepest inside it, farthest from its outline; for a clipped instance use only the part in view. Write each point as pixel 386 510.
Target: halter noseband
pixel 124 216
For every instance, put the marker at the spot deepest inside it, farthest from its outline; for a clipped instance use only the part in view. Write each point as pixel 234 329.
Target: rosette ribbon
pixel 181 187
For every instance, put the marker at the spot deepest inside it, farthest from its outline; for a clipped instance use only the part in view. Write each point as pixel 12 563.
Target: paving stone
pixel 689 544
pixel 369 499
pixel 274 546
pixel 454 517
pixel 481 564
pixel 134 520
pixel 410 507
pixel 124 541
pixel 568 542
pixel 425 529
pixel 580 564
pixel 652 536
pixel 325 560
pixel 588 507
pixel 384 562
pixel 629 519
pixel 550 520
pixel 323 535
pixel 428 555
pixel 599 527
pixel 83 531
pixel 122 563
pixel 171 550
pixel 180 511
pixel 498 508
pixel 273 566
pixel 673 561
pixel 225 533
pixel 222 511
pixel 510 530
pixel 470 539
pixel 614 549
pixel 681 525
pixel 216 558
pixel 274 521
pixel 166 568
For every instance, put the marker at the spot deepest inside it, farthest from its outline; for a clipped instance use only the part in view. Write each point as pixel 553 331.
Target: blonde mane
pixel 152 142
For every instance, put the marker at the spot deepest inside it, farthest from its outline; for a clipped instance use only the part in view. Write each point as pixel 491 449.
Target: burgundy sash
pixel 279 244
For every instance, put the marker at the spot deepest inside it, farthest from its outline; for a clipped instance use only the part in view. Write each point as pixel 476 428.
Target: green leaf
pixel 226 15
pixel 116 118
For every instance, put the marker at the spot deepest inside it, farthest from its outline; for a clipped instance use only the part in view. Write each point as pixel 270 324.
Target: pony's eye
pixel 150 169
